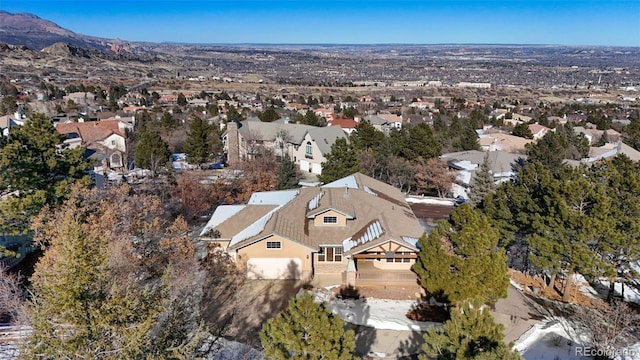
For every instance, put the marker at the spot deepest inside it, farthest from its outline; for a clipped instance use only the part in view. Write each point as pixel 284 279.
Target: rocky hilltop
pixel 37 33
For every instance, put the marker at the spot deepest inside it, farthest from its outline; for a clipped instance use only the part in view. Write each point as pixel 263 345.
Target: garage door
pixel 269 268
pixel 316 168
pixel 304 165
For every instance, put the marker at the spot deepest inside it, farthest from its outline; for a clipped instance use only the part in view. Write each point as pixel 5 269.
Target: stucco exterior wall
pixel 289 249
pixel 318 220
pixel 115 142
pixel 317 157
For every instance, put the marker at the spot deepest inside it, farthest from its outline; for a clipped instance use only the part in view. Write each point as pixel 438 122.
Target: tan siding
pixel 289 249
pixel 318 220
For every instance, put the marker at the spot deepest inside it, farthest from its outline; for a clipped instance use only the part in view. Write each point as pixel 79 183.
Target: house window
pixel 400 260
pixel 330 254
pixel 330 220
pixel 308 153
pixel 274 245
pixel 113 142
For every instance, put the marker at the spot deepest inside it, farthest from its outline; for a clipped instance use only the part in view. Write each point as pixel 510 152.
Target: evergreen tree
pixel 310 118
pixel 460 260
pixel 522 130
pixel 306 330
pixel 151 151
pixel 366 136
pixel 169 122
pixel 481 182
pixel 182 100
pixel 79 307
pixel 202 142
pixel 471 333
pixel 269 115
pixel 287 174
pixel 604 139
pixel 38 169
pixel 342 161
pixel 421 143
pixel 467 139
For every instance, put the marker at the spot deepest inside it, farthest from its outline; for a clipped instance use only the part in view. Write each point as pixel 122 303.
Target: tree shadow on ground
pixel 352 301
pixel 234 306
pixel 412 347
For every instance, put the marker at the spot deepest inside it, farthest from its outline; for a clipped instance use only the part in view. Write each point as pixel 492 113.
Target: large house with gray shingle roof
pixel 343 227
pixel 306 145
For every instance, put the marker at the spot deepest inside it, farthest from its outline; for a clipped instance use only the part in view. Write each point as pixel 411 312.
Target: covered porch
pixel 370 273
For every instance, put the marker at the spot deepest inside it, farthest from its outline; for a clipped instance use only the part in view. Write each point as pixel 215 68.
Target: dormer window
pixel 308 153
pixel 329 219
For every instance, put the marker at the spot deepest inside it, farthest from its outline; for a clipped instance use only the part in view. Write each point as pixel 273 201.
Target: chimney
pixel 233 144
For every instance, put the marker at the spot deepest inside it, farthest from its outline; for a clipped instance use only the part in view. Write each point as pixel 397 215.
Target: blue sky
pixel 564 22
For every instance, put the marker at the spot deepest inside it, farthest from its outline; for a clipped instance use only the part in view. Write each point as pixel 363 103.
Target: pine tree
pixel 269 115
pixel 522 130
pixel 202 142
pixel 481 183
pixel 366 136
pixel 287 174
pixel 471 333
pixel 422 143
pixel 38 169
pixel 80 307
pixel 151 151
pixel 306 330
pixel 342 161
pixel 168 121
pixel 460 259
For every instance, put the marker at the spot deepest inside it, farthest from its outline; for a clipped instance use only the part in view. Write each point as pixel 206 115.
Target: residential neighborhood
pixel 323 201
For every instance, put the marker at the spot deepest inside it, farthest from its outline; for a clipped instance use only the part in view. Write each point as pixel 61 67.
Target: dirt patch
pixel 425 312
pixel 537 285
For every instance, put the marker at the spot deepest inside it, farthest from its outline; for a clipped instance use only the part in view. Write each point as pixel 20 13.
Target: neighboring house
pixel 607 151
pixel 422 105
pixel 327 114
pixel 501 141
pixel 306 145
pixel 105 138
pixel 538 131
pixel 356 226
pixel 384 123
pixel 466 163
pixel 9 121
pixel 347 125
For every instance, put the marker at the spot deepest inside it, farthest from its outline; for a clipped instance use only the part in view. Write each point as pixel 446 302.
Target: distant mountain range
pixel 37 33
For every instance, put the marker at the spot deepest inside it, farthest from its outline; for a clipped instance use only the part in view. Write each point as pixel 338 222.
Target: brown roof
pixel 238 221
pixel 91 131
pixel 374 204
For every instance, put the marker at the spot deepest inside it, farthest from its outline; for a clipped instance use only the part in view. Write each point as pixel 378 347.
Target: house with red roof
pixel 347 125
pixel 105 139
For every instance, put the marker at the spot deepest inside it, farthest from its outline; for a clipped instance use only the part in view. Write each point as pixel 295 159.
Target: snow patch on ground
pixel 555 339
pixel 631 294
pixel 552 339
pixel 378 313
pixel 584 286
pixel 515 284
pixel 432 201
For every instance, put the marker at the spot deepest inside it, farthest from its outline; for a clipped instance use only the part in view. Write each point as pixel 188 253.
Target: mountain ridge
pixel 37 33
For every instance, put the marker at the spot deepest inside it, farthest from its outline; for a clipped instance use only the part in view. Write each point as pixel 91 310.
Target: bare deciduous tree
pixel 607 327
pixel 11 303
pixel 433 174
